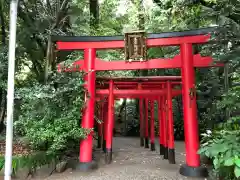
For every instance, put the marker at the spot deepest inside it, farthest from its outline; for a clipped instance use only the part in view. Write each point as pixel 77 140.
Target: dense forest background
pixel 47 103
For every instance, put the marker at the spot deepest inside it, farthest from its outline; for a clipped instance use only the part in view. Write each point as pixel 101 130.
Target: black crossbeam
pixel 194 32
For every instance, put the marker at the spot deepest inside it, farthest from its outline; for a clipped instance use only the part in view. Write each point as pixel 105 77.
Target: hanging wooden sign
pixel 135 46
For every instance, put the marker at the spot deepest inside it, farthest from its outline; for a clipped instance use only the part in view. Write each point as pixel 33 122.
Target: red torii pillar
pixel 105 120
pixel 166 130
pixel 164 126
pixel 85 156
pixel 171 150
pixel 160 126
pixel 192 166
pixel 141 117
pixel 146 125
pixel 110 124
pixel 152 129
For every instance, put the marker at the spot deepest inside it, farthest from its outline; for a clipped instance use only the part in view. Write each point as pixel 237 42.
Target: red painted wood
pixel 140 79
pixel 164 122
pixel 174 41
pixel 135 92
pixel 189 107
pixel 160 124
pixel 170 117
pixel 110 123
pixel 140 96
pixel 135 86
pixel 146 118
pixel 152 129
pixel 142 83
pixel 86 144
pixel 141 117
pixel 101 65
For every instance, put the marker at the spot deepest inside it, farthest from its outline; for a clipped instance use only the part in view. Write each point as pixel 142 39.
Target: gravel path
pixel 131 162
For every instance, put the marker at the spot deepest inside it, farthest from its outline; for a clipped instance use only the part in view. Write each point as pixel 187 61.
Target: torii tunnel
pixel 160 90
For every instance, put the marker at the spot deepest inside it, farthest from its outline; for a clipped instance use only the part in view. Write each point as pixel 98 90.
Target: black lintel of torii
pixel 194 32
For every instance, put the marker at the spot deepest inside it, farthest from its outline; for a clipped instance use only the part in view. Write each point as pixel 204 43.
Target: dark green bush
pixel 223 148
pixel 223 145
pixel 50 114
pixel 30 161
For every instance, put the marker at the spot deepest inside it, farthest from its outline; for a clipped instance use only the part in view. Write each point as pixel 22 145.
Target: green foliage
pixel 3 67
pixel 50 114
pixel 223 147
pixel 30 161
pixel 231 100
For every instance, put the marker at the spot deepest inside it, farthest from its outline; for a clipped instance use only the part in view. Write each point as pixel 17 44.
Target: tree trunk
pixel 48 59
pixel 3 110
pixel 94 13
pixel 226 87
pixel 2 22
pixel 121 110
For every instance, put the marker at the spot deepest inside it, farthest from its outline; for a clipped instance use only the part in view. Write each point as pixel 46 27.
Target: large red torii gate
pixel 186 61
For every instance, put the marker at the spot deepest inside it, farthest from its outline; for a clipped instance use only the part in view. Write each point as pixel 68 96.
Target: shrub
pixel 223 148
pixel 50 114
pixel 29 161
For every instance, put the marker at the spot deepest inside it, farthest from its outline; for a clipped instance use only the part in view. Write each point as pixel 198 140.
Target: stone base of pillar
pixel 141 141
pixel 161 149
pixel 165 155
pixel 99 142
pixel 86 166
pixel 108 156
pixel 189 171
pixel 153 147
pixel 171 156
pixel 104 146
pixel 146 142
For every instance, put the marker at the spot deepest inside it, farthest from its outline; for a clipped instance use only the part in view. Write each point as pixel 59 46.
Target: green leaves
pixel 237 171
pixel 229 162
pixel 237 162
pixel 30 161
pixel 216 163
pixel 50 115
pixel 223 147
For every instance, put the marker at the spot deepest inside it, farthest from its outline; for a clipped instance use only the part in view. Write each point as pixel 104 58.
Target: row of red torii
pixel 160 89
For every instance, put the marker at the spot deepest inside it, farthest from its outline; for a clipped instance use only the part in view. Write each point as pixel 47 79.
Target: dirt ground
pixel 131 162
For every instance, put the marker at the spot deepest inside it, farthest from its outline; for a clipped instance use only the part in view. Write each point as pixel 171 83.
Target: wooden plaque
pixel 135 46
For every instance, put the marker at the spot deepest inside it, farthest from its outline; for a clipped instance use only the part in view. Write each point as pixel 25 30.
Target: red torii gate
pixel 166 138
pixel 186 61
pixel 145 86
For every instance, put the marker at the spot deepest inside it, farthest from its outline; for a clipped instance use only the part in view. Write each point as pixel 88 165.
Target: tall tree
pixel 3 50
pixel 94 13
pixel 2 23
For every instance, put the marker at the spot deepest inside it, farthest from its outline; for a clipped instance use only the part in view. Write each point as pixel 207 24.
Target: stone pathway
pixel 131 162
